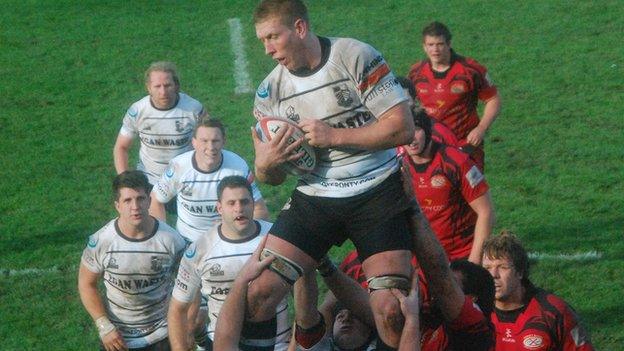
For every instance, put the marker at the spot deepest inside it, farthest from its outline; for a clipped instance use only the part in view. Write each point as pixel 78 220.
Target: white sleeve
pixel 129 123
pixel 378 87
pixel 263 103
pixel 168 185
pixel 188 280
pixel 90 255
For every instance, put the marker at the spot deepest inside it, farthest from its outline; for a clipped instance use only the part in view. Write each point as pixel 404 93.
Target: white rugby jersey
pixel 164 134
pixel 138 277
pixel 212 263
pixel 197 190
pixel 350 89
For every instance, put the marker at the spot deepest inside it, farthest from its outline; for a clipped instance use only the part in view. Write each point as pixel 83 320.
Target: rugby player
pixel 348 103
pixel 212 262
pixel 451 190
pixel 527 317
pixel 193 178
pixel 163 121
pixel 136 256
pixel 449 87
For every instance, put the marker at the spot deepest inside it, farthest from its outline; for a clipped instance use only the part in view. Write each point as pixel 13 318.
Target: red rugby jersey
pixel 444 188
pixel 451 96
pixel 545 323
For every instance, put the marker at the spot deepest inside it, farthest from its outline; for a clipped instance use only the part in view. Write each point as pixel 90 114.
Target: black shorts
pixel 375 221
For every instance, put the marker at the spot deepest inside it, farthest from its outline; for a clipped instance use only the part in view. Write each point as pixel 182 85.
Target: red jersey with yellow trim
pixel 451 96
pixel 444 189
pixel 545 323
pixel 470 331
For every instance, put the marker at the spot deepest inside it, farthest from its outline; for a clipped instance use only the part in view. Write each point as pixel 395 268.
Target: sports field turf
pixel 555 157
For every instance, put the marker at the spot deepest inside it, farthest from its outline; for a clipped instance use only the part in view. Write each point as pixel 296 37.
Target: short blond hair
pixel 163 66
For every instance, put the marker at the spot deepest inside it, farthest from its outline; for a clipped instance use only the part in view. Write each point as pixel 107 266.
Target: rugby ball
pixel 269 126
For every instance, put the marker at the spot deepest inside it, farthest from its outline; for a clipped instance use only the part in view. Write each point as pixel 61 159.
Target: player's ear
pixel 219 208
pixel 301 27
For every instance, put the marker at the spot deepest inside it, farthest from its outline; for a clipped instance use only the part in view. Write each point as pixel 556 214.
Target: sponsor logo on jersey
pixel 264 90
pixel 216 270
pixel 533 341
pixel 169 171
pixel 93 240
pixel 165 141
pixel 474 176
pixel 361 118
pixel 219 291
pixel 132 112
pixel 343 96
pixel 376 61
pixel 439 88
pixel 438 181
pixel 112 263
pixel 508 336
pixel 383 90
pixel 259 114
pixel 286 206
pixel 190 252
pixel 292 115
pixel 458 88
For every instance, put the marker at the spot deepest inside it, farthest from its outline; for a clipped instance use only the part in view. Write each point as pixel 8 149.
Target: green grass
pixel 70 69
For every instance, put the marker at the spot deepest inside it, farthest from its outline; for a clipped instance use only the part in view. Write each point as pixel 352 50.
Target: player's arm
pixel 410 308
pixel 394 127
pixel 433 261
pixel 157 208
pixel 261 210
pixel 491 110
pixel 180 333
pixel 347 291
pixel 483 228
pixel 91 300
pixel 326 308
pixel 270 155
pixel 228 330
pixel 121 150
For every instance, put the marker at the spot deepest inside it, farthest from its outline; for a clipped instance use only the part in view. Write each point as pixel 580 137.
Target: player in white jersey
pixel 194 176
pixel 163 121
pixel 350 106
pixel 212 263
pixel 136 256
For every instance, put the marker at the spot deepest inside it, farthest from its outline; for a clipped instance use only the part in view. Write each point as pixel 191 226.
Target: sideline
pixel 241 75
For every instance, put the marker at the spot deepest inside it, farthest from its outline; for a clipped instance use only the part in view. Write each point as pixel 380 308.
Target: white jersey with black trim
pixel 197 190
pixel 352 87
pixel 138 277
pixel 212 263
pixel 164 134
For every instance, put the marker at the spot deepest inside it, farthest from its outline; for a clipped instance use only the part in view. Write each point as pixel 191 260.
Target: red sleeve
pixel 484 84
pixel 575 337
pixel 473 184
pixel 443 134
pixel 471 330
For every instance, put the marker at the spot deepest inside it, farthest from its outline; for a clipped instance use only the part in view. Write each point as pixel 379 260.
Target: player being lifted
pixel 344 97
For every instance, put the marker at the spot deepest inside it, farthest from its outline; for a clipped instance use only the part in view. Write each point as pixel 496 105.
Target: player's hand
pixel 113 341
pixel 254 266
pixel 410 304
pixel 475 137
pixel 276 151
pixel 317 132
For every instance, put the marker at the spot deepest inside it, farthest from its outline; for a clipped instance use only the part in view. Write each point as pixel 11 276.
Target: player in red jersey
pixel 451 190
pixel 526 317
pixel 439 131
pixel 449 87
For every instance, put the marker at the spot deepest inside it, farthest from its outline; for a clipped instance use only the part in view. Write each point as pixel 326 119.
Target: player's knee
pixel 263 296
pixel 388 313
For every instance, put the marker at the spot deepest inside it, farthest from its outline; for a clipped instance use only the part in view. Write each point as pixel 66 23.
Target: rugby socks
pixel 258 336
pixel 311 336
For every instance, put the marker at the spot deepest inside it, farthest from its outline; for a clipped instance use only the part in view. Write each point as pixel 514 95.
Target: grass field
pixel 555 157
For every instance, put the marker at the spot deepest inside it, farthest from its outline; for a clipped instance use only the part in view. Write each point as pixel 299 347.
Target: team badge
pixel 132 112
pixel 169 172
pixel 190 252
pixel 216 270
pixel 292 115
pixel 533 342
pixel 474 176
pixel 93 240
pixel 343 95
pixel 180 127
pixel 438 181
pixel 263 90
pixel 112 263
pixel 187 190
pixel 458 88
pixel 287 205
pixel 157 263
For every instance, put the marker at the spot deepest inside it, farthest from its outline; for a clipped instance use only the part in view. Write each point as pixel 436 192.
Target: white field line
pixel 579 256
pixel 241 74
